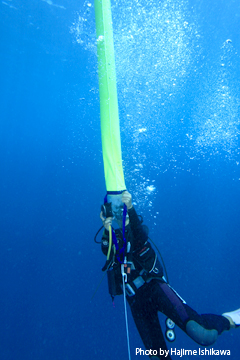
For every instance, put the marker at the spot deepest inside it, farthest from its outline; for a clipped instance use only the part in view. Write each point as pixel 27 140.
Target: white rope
pixel 124 279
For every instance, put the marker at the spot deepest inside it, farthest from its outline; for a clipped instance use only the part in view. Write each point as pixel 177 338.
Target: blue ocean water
pixel 178 68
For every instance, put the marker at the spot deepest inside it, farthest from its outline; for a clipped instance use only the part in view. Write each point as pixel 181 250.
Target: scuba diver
pixel 147 290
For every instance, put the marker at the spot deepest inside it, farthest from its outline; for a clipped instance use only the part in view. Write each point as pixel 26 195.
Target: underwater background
pixel 178 73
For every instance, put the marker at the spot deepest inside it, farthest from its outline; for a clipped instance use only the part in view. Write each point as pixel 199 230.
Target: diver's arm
pixel 139 234
pixel 136 227
pixel 105 238
pixel 105 242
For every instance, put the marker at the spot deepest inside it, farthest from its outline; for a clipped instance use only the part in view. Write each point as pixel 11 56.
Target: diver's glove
pixel 107 265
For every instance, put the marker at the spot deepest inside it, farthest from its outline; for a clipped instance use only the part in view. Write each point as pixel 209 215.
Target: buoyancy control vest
pixel 145 264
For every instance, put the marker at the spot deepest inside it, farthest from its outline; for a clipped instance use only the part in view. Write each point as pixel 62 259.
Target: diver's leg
pixel 204 329
pixel 147 323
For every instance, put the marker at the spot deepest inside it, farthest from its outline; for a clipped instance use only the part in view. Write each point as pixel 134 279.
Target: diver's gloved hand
pixel 106 266
pixel 127 199
pixel 106 222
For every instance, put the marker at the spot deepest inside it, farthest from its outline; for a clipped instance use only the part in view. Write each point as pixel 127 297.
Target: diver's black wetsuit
pixel 153 294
